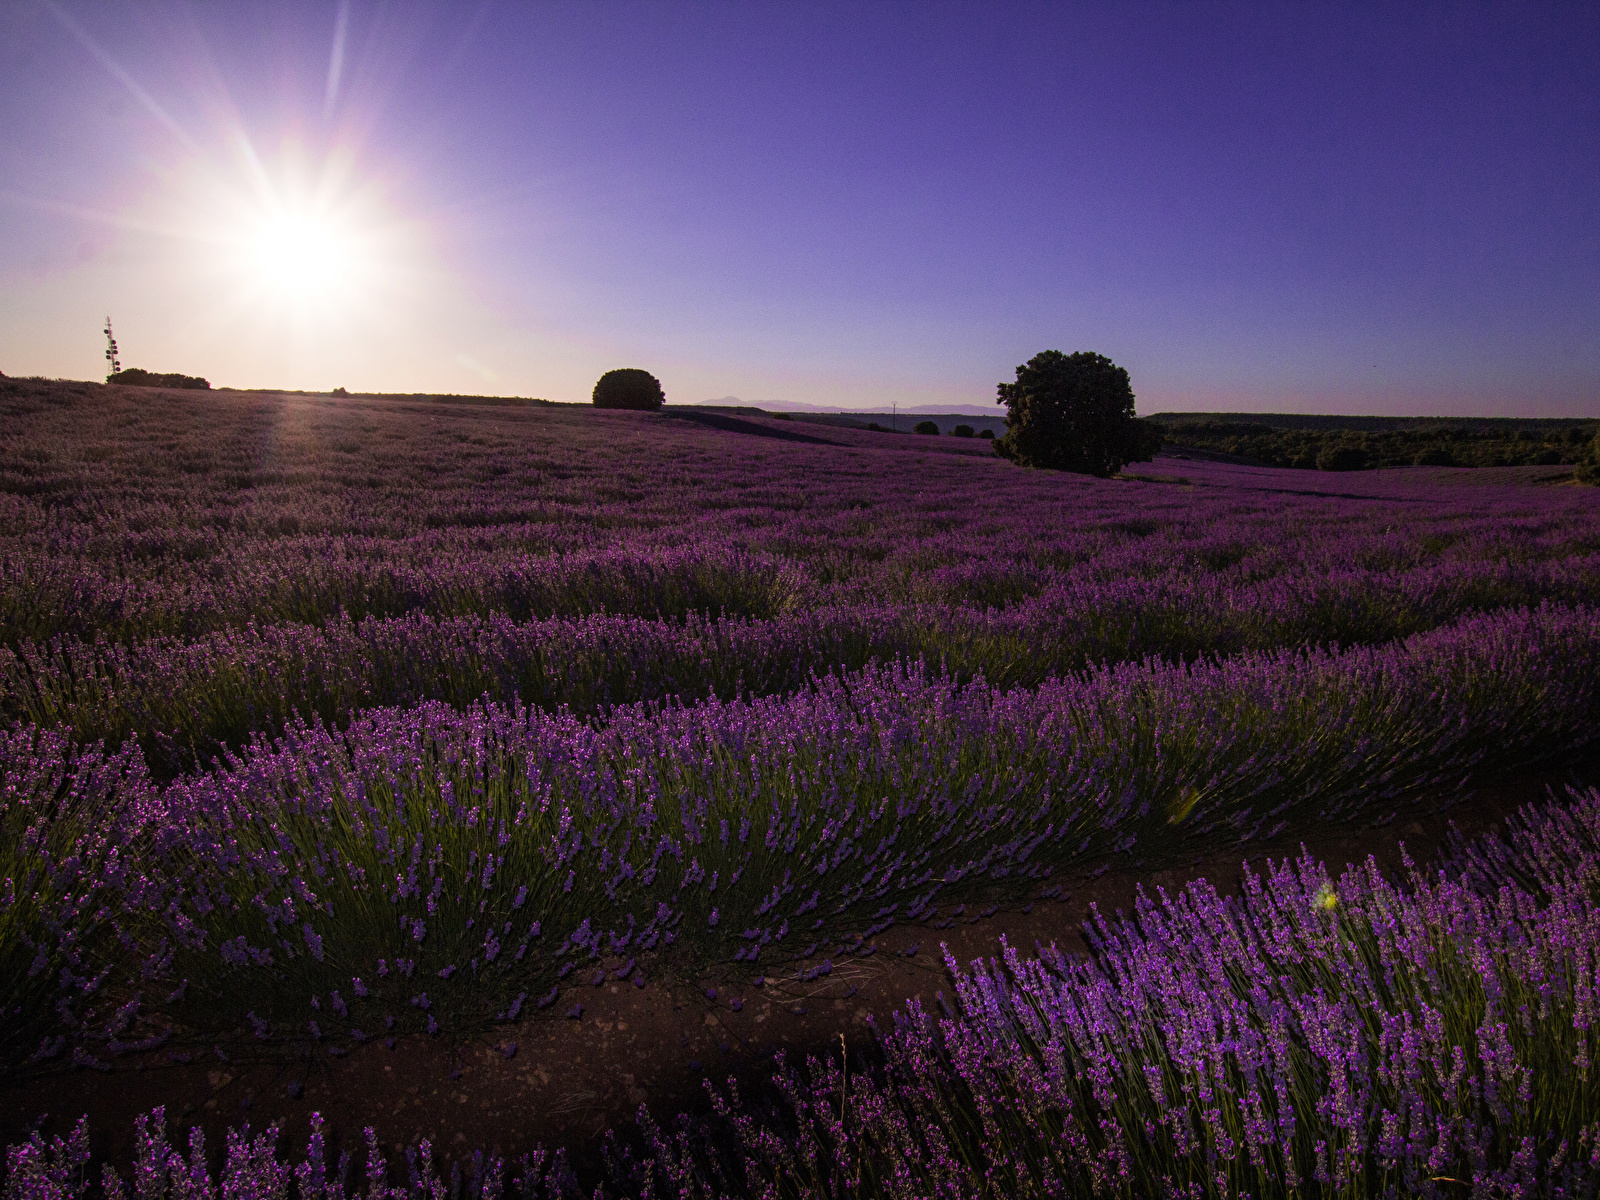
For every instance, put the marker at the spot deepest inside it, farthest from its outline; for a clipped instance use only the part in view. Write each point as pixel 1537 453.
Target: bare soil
pixel 568 1080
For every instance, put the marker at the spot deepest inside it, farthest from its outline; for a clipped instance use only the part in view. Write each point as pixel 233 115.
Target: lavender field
pixel 338 727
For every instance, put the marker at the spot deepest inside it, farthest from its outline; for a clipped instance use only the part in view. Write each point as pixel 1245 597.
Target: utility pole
pixel 894 421
pixel 111 349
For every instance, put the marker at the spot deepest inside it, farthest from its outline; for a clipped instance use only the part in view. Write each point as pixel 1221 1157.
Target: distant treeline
pixel 1359 443
pixel 1372 424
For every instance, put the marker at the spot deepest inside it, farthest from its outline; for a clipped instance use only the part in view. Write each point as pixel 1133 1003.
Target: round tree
pixel 963 431
pixel 928 427
pixel 1073 412
pixel 629 387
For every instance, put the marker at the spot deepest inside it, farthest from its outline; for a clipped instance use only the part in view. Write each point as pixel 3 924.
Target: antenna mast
pixel 111 350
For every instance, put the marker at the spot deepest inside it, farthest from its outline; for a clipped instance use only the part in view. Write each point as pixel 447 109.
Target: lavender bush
pixel 67 818
pixel 187 700
pixel 429 869
pixel 1313 1037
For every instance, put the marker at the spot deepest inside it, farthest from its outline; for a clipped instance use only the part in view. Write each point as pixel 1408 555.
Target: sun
pixel 303 259
pixel 299 252
pixel 300 238
pixel 299 256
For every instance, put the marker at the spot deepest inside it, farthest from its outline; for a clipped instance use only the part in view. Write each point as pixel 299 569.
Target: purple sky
pixel 1386 208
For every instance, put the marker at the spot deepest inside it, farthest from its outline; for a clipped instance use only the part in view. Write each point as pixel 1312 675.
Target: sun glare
pixel 292 244
pixel 298 256
pixel 299 238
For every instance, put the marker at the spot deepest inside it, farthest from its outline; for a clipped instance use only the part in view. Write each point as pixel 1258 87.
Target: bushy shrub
pixel 986 433
pixel 135 377
pixel 1589 469
pixel 926 427
pixel 1434 456
pixel 962 431
pixel 630 388
pixel 875 427
pixel 1342 458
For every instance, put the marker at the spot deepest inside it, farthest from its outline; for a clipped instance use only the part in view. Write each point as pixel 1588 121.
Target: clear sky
pixel 1296 207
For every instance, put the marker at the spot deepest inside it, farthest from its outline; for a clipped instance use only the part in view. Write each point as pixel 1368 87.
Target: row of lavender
pixel 428 869
pixel 772 563
pixel 1311 1038
pixel 187 700
pixel 110 528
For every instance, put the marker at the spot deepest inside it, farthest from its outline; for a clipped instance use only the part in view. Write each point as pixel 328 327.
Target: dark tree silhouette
pixel 629 387
pixel 926 427
pixel 1073 412
pixel 962 431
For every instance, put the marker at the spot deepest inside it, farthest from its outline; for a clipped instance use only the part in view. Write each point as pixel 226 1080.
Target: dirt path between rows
pixel 569 1080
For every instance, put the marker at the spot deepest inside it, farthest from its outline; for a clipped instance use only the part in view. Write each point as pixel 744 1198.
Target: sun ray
pixel 341 28
pixel 115 68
